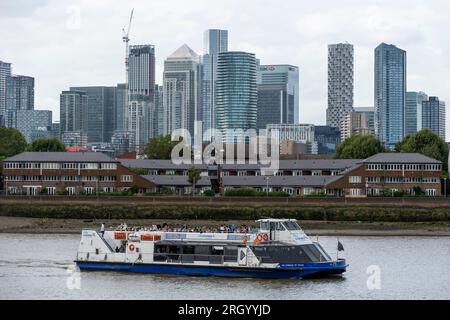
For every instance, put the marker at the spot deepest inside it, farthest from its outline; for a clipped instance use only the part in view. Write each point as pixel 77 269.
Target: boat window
pixel 265 225
pixel 188 249
pixel 288 254
pixel 291 226
pixel 279 226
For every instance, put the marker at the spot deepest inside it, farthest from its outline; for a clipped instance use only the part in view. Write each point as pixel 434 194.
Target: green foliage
pixel 51 144
pixel 194 175
pixel 226 212
pixel 427 143
pixel 418 191
pixel 209 193
pixel 359 147
pixel 249 192
pixel 139 171
pixel 160 147
pixel 12 142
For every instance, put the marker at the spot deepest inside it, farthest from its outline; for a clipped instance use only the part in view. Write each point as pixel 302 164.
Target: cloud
pixel 78 42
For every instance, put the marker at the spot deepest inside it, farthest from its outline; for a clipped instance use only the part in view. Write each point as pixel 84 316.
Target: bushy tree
pixel 47 145
pixel 194 177
pixel 359 147
pixel 160 148
pixel 12 142
pixel 427 143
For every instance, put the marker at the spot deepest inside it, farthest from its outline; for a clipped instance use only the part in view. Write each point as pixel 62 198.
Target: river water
pixel 36 267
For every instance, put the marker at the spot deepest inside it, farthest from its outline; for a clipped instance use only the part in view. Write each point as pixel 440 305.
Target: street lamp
pixel 267 185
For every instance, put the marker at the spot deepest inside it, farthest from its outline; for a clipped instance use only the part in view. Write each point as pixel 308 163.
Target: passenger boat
pixel 278 249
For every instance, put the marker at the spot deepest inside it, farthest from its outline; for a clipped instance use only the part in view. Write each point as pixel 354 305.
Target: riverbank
pixel 313 228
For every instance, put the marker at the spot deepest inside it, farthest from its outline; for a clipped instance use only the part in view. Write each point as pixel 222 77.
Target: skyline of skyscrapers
pixel 390 94
pixel 190 88
pixel 237 94
pixel 340 82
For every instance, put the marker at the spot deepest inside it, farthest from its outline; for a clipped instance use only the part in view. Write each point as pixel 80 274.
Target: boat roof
pixel 276 220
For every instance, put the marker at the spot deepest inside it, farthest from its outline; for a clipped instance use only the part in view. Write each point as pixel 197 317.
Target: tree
pixel 359 147
pixel 12 142
pixel 427 143
pixel 194 176
pixel 47 145
pixel 160 148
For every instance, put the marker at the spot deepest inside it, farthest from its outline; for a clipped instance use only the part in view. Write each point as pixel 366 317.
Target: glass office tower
pixel 390 94
pixel 413 114
pixel 236 102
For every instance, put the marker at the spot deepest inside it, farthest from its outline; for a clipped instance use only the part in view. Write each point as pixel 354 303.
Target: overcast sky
pixel 79 43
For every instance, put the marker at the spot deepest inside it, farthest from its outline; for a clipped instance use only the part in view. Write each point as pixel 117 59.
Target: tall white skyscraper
pixel 181 90
pixel 215 42
pixel 340 83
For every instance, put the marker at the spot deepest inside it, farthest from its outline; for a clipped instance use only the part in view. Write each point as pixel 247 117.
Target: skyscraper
pixel 413 114
pixel 390 94
pixel 73 111
pixel 5 71
pixel 141 82
pixel 278 95
pixel 19 96
pixel 159 109
pixel 100 112
pixel 340 83
pixel 236 103
pixel 181 90
pixel 34 123
pixel 215 42
pixel 121 92
pixel 433 116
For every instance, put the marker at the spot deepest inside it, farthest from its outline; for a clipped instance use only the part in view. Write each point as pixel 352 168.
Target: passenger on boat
pixel 102 230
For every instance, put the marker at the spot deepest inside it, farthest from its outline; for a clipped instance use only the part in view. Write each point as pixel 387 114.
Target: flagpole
pixel 337 251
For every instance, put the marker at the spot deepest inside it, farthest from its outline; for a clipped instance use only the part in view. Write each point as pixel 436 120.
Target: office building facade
pixel 181 99
pixel 413 113
pixel 340 83
pixel 100 112
pixel 34 124
pixel 433 116
pixel 73 111
pixel 5 71
pixel 141 81
pixel 278 95
pixel 215 42
pixel 390 94
pixel 19 96
pixel 237 95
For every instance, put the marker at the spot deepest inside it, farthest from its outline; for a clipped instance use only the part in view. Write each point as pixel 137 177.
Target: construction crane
pixel 126 40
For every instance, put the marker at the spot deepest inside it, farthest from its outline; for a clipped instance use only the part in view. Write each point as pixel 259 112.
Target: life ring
pixel 265 237
pixel 131 247
pixel 259 238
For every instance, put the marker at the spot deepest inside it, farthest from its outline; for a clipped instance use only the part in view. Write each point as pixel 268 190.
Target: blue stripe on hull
pixel 196 270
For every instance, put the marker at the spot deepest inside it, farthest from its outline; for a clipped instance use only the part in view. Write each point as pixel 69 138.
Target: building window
pixel 126 178
pixel 51 191
pixel 108 166
pixel 354 179
pixel 70 165
pixel 89 166
pixel 355 192
pixel 431 192
pixel 89 190
pixel 70 191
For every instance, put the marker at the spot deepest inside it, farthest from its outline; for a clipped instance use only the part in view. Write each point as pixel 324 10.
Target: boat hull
pixel 282 272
